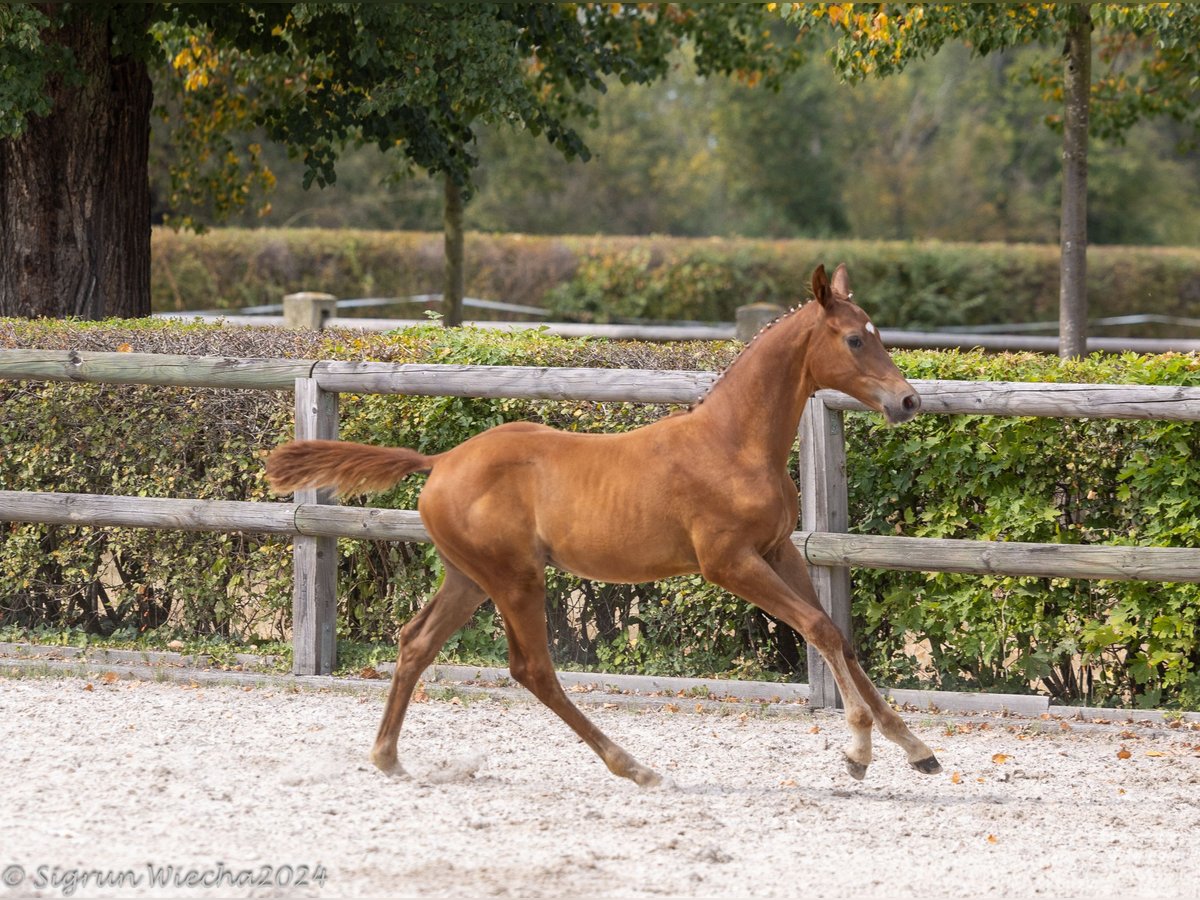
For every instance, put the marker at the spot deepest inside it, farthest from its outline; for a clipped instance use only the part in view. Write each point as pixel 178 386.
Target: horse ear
pixel 820 286
pixel 841 282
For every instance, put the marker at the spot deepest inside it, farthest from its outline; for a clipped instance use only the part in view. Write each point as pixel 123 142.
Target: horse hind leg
pixel 420 639
pixel 524 613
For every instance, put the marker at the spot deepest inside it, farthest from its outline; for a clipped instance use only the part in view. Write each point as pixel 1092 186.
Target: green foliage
pixel 178 443
pixel 904 284
pixel 1077 481
pixel 417 80
pixel 24 64
pixel 1149 51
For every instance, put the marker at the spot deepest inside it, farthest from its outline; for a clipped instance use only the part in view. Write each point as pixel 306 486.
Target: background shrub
pixel 1070 481
pixel 904 284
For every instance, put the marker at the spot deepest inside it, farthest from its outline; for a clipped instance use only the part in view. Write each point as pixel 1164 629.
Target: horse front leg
pixel 788 562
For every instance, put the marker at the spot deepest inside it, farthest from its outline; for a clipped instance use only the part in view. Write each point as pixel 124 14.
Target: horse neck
pixel 757 403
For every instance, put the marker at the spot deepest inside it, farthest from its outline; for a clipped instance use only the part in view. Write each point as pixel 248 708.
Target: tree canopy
pixel 411 78
pixel 1151 66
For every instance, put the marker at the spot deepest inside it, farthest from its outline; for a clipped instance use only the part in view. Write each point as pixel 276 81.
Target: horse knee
pixel 532 675
pixel 859 718
pixel 521 670
pixel 414 643
pixel 826 637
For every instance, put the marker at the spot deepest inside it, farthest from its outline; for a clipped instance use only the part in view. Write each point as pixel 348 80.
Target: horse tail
pixel 348 467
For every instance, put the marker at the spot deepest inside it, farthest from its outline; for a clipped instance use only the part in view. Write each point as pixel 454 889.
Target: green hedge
pixel 998 478
pixel 605 278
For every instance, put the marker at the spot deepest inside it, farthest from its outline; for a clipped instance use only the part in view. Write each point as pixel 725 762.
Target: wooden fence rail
pixel 1114 563
pixel 900 339
pixel 315 523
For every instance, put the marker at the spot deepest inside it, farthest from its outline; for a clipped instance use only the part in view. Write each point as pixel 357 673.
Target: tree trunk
pixel 74 190
pixel 452 225
pixel 1077 85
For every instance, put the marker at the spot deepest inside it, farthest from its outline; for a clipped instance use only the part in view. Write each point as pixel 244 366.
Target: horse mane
pixel 749 345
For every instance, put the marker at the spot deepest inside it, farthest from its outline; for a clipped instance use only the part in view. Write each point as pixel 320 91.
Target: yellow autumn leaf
pixel 999 758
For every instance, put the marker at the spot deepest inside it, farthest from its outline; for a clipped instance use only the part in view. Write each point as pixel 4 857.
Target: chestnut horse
pixel 706 491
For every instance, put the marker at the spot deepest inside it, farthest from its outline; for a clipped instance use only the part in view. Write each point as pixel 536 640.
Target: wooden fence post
pixel 824 506
pixel 308 310
pixel 753 318
pixel 314 559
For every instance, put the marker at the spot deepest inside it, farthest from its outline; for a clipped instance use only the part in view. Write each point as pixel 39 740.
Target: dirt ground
pixel 106 783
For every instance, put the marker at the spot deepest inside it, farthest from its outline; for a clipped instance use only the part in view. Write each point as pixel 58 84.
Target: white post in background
pixel 308 310
pixel 824 506
pixel 314 559
pixel 753 318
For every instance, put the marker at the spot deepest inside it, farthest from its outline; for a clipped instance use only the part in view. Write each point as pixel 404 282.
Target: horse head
pixel 845 352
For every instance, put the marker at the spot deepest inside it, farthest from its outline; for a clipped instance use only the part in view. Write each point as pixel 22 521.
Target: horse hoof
pixel 389 767
pixel 658 783
pixel 650 780
pixel 927 766
pixel 857 770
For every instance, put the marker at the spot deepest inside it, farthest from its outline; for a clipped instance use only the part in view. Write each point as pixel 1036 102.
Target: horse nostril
pixel 912 403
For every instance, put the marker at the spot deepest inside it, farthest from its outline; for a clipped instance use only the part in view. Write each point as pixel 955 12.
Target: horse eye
pixel 854 342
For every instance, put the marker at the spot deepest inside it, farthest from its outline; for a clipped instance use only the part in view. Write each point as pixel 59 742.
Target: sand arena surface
pixel 130 777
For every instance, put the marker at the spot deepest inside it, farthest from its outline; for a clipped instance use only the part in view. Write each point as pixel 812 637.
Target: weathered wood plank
pixel 357 522
pixel 153 368
pixel 1090 561
pixel 720 331
pixel 724 331
pixel 311 519
pixel 927 340
pixel 624 385
pixel 824 507
pixel 821 548
pixel 146 512
pixel 529 382
pixel 314 559
pixel 1009 398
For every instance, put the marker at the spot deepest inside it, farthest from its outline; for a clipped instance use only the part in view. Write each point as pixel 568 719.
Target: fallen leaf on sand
pixel 110 677
pixel 992 839
pixel 1155 753
pixel 955 778
pixel 999 758
pixel 88 687
pixel 816 729
pixel 1123 754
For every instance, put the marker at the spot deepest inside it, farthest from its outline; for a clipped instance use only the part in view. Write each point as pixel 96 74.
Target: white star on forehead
pixel 870 328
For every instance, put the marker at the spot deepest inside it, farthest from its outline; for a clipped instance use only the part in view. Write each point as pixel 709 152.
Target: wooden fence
pixel 316 523
pixel 899 339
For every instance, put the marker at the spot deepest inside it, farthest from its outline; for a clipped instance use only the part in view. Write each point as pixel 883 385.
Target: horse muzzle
pixel 898 409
